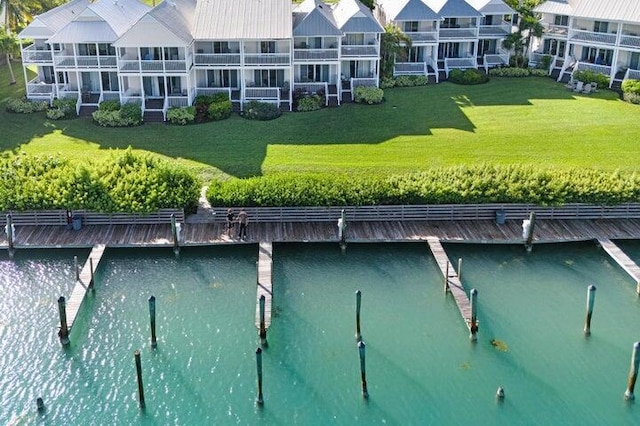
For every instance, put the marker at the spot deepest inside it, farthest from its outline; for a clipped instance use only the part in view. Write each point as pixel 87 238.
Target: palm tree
pixel 394 44
pixel 528 27
pixel 8 46
pixel 16 15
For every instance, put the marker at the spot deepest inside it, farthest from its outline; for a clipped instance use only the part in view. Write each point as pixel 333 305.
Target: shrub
pixel 509 72
pixel 468 77
pixel 309 103
pixel 631 86
pixel 588 76
pixel 67 106
pixel 518 61
pixel 219 97
pixel 368 95
pixel 25 106
pixel 108 118
pixel 203 100
pixel 111 105
pixel 386 82
pixel 262 111
pixel 544 63
pixel 410 80
pixel 181 116
pixel 128 115
pixel 631 97
pixel 535 72
pixel 220 110
pixel 131 113
pixel 55 114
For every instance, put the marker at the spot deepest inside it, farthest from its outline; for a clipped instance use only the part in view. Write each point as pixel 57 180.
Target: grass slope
pixel 525 121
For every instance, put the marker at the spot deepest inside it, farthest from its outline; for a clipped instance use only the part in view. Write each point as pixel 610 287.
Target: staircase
pixel 153 117
pixel 86 111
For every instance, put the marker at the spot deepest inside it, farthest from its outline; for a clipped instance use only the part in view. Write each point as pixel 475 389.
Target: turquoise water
pixel 421 366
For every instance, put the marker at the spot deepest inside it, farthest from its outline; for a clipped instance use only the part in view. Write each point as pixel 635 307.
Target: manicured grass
pixel 525 121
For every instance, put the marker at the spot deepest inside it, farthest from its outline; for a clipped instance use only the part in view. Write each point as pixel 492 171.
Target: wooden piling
pixel 363 373
pixel 446 278
pixel 136 355
pixel 63 333
pixel 76 267
pixel 591 295
pixel 10 236
pixel 259 399
pixel 40 404
pixel 174 233
pixel 633 371
pixel 460 268
pixel 152 317
pixel 342 225
pixel 529 232
pixel 358 305
pixel 474 320
pixel 91 279
pixel 263 328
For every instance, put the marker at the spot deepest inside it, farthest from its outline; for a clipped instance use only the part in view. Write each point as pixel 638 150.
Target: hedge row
pixel 125 182
pixel 454 185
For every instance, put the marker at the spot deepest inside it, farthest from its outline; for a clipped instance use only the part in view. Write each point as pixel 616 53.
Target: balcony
pixel 40 90
pixel 152 66
pixel 458 33
pixel 630 40
pixel 35 55
pixel 315 54
pixel 592 37
pixel 267 59
pixel 218 59
pixel 422 37
pixel 65 60
pixel 359 50
pixel 560 31
pixel 498 30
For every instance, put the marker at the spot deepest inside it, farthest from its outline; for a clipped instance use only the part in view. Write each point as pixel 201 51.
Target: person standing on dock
pixel 243 219
pixel 230 221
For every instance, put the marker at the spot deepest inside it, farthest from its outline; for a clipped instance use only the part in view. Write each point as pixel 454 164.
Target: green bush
pixel 128 115
pixel 518 61
pixel 535 72
pixel 125 182
pixel 410 80
pixel 67 106
pixel 467 77
pixel 219 97
pixel 55 114
pixel 368 95
pixel 387 82
pixel 131 113
pixel 451 185
pixel 544 63
pixel 219 110
pixel 25 106
pixel 631 86
pixel 203 100
pixel 588 76
pixel 181 116
pixel 111 105
pixel 509 72
pixel 631 97
pixel 262 111
pixel 310 103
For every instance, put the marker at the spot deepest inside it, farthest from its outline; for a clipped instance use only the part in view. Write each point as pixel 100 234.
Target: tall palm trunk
pixel 13 77
pixel 8 29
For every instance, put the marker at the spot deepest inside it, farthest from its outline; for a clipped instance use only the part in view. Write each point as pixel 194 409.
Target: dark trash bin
pixel 76 223
pixel 501 217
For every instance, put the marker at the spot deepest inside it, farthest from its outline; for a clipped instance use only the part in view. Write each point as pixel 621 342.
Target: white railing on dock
pixel 59 217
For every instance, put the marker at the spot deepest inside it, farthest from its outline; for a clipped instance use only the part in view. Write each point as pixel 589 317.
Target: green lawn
pixel 527 121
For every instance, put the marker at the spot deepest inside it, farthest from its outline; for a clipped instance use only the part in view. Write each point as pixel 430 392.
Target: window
pixel 86 49
pixel 221 47
pixel 267 47
pixel 268 78
pixel 106 49
pixel 313 73
pixel 354 39
pixel 411 27
pixel 562 20
pixel 110 81
pixel 222 78
pixel 171 53
pixel 487 20
pixel 600 27
pixel 450 23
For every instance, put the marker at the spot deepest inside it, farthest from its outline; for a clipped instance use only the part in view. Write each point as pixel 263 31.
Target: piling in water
pixel 136 355
pixel 500 393
pixel 76 267
pixel 358 304
pixel 174 233
pixel 446 278
pixel 63 333
pixel 152 318
pixel 9 230
pixel 91 272
pixel 474 321
pixel 633 371
pixel 591 295
pixel 259 399
pixel 342 225
pixel 363 373
pixel 460 268
pixel 528 231
pixel 40 404
pixel 263 328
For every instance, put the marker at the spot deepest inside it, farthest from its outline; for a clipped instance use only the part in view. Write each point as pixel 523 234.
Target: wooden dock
pixel 265 282
pixel 454 283
pixel 621 259
pixel 80 290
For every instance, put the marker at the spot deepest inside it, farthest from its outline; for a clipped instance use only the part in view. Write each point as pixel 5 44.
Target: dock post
pixel 136 355
pixel 638 288
pixel 474 321
pixel 91 272
pixel 9 229
pixel 76 267
pixel 500 393
pixel 342 225
pixel 259 399
pixel 527 231
pixel 358 304
pixel 263 328
pixel 363 373
pixel 40 405
pixel 175 234
pixel 446 278
pixel 633 371
pixel 64 330
pixel 591 295
pixel 152 317
pixel 460 268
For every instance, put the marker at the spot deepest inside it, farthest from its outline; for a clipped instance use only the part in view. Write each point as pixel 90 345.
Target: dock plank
pixel 265 284
pixel 74 302
pixel 621 258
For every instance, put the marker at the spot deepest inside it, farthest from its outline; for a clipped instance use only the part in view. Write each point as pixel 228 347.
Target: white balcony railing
pixel 584 66
pixel 359 50
pixel 217 59
pixel 31 54
pixel 110 96
pixel 497 30
pixel 592 37
pixel 459 63
pixel 433 63
pixel 212 91
pixel 555 30
pixel 422 37
pixel 632 74
pixel 266 58
pixel 458 33
pixel 64 60
pixel 315 54
pixel 314 87
pixel 410 68
pixel 628 40
pixel 491 60
pixel 356 82
pixel 146 65
pixel 37 86
pixel 262 93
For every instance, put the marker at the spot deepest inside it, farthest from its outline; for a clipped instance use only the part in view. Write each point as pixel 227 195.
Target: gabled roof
pixel 555 7
pixel 354 17
pixel 119 14
pixel 177 16
pixel 314 18
pixel 84 32
pixel 458 9
pixel 492 7
pixel 243 19
pixel 46 24
pixel 408 10
pixel 609 10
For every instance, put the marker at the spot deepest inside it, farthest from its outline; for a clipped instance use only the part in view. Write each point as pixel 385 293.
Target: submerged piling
pixel 591 295
pixel 633 371
pixel 263 328
pixel 259 399
pixel 63 333
pixel 152 317
pixel 363 373
pixel 136 355
pixel 474 321
pixel 358 304
pixel 40 405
